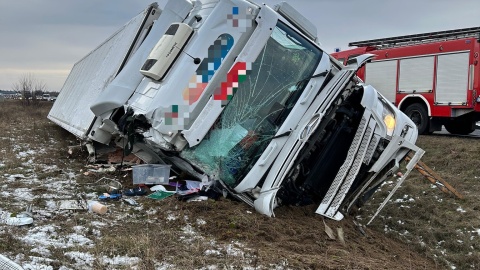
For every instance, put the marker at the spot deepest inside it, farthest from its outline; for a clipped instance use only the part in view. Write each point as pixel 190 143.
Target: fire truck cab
pixel 431 77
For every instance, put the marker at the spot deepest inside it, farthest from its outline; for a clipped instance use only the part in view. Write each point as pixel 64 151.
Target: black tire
pixel 418 113
pixel 460 126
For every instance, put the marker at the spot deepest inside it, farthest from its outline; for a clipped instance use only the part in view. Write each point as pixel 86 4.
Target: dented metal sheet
pixel 92 74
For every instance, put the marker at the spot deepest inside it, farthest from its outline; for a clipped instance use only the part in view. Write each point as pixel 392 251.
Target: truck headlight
pixel 388 119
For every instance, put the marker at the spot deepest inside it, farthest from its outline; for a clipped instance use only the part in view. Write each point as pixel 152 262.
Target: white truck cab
pixel 241 95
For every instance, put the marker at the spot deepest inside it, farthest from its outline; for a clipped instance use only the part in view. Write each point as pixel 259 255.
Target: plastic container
pixel 151 174
pixel 96 207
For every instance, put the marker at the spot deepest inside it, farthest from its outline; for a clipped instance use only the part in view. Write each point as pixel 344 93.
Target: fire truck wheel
pixel 419 116
pixel 460 126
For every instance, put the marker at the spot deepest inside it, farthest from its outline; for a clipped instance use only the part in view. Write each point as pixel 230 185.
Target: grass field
pixel 421 227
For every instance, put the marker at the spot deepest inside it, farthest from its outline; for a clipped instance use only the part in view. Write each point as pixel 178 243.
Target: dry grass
pixel 439 225
pixel 169 234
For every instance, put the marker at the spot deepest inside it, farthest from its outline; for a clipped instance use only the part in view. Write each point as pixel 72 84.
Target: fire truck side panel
pixel 445 73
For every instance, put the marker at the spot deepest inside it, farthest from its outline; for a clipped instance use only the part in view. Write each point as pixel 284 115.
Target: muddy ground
pixel 36 169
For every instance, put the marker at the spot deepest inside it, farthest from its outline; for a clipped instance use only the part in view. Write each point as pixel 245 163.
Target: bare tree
pixel 27 85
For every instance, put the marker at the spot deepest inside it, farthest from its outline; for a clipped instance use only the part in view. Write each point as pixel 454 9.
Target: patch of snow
pixel 460 209
pixel 151 211
pixel 44 236
pixel 71 175
pixel 120 260
pixel 81 259
pixel 23 194
pixel 209 252
pixel 49 168
pixel 37 263
pixel 77 239
pixel 201 222
pixel 98 223
pixel 13 177
pixel 55 184
pixel 51 205
pixel 28 163
pixel 66 196
pixel 164 266
pixel 96 232
pixel 188 230
pixel 25 154
pixel 234 251
pixel 171 217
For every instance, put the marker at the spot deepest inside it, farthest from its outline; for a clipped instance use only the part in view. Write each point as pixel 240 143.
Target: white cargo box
pixel 91 75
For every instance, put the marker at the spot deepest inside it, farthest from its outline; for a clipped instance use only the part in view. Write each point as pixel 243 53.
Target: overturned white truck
pixel 241 96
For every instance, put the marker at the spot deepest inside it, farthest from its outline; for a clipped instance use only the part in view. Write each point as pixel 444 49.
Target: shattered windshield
pixel 261 103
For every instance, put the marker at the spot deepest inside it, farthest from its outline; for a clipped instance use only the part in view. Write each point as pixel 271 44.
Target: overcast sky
pixel 46 37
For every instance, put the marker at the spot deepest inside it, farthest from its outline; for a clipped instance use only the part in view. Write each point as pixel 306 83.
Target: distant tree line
pixel 31 89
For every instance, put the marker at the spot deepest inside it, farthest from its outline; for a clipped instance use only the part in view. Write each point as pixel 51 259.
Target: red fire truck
pixel 433 77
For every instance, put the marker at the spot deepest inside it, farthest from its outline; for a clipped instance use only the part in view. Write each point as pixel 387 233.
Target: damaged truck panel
pixel 92 74
pixel 241 96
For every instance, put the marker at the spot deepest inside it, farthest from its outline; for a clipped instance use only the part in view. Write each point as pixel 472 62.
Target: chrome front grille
pixel 358 153
pixel 371 148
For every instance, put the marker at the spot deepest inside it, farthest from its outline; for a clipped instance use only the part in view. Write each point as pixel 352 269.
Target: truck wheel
pixel 460 126
pixel 419 116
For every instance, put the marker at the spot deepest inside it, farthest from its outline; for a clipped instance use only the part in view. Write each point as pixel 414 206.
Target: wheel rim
pixel 416 117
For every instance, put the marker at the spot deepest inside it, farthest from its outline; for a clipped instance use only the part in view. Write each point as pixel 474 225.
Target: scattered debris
pixel 72 205
pixel 329 231
pixel 151 174
pixel 435 178
pixel 160 195
pixel 138 191
pixel 130 201
pixel 341 235
pixel 96 207
pixel 23 218
pixel 360 227
pixel 198 198
pixel 111 196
